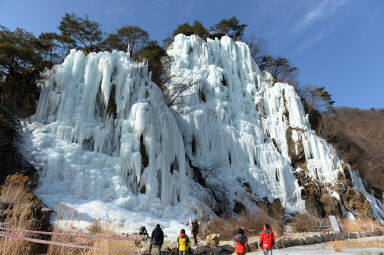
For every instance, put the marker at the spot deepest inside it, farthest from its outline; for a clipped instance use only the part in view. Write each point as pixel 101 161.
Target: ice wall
pixel 108 146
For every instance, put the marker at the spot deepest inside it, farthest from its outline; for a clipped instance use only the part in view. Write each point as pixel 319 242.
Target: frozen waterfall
pixel 107 146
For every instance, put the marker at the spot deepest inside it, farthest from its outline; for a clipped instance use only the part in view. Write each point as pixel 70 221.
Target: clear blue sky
pixel 338 44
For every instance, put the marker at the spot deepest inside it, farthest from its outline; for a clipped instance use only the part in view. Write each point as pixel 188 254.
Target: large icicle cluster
pixel 108 146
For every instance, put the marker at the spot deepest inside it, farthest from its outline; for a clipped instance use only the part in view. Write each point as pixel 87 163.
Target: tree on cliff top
pixel 232 27
pixel 80 30
pixel 133 36
pixel 152 54
pixel 18 50
pixel 317 98
pixel 280 68
pixel 196 29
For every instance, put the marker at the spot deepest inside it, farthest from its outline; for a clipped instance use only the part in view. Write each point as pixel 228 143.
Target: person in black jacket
pixel 195 230
pixel 143 231
pixel 157 238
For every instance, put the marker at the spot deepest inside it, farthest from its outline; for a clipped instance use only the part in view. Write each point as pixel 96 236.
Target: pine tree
pixel 82 31
pixel 132 36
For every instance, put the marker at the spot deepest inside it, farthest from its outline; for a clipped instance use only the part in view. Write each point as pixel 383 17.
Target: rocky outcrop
pixel 19 100
pixel 20 92
pixel 274 209
pixel 10 158
pixel 295 149
pixel 351 198
pixel 213 240
pixel 317 195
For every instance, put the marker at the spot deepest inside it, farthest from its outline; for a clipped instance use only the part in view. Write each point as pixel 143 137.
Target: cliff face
pixel 12 161
pixel 106 143
pixel 19 93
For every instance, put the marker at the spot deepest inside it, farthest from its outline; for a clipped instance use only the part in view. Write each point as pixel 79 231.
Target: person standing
pixel 157 238
pixel 241 241
pixel 267 240
pixel 195 230
pixel 183 244
pixel 143 231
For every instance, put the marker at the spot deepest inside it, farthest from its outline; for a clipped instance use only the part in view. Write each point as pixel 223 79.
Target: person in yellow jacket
pixel 183 244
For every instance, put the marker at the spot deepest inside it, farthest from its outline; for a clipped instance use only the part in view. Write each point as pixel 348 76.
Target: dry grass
pixel 252 224
pixel 95 227
pixel 338 246
pixel 16 191
pixel 304 223
pixel 361 225
pixel 100 229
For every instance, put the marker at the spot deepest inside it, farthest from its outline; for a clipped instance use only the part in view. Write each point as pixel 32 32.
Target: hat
pixel 182 231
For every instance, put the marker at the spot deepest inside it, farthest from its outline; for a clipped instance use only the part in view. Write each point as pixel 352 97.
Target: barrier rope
pixel 72 245
pixel 93 237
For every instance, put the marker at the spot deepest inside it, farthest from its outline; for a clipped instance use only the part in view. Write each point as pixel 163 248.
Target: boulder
pixel 207 250
pixel 215 250
pixel 309 240
pixel 252 246
pixel 338 236
pixel 279 244
pixel 200 250
pixel 213 240
pixel 286 243
pixel 316 239
pixel 332 237
pixel 228 248
pixel 294 242
pixel 301 241
pixel 377 233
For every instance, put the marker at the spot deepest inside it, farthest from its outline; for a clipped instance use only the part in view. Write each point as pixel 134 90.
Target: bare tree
pixel 211 169
pixel 174 90
pixel 257 47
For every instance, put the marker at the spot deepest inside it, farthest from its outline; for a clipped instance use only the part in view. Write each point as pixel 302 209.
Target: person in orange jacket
pixel 267 240
pixel 240 240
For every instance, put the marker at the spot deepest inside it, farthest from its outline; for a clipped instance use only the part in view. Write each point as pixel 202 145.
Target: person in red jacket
pixel 240 240
pixel 267 240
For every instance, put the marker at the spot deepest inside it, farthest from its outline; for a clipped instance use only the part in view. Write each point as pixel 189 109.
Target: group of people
pixel 183 243
pixel 266 241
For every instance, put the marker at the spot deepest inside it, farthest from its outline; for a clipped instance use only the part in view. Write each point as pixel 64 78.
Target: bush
pixel 252 224
pixel 363 225
pixel 304 223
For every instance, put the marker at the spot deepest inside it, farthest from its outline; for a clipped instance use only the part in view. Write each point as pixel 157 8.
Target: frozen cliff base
pixel 108 146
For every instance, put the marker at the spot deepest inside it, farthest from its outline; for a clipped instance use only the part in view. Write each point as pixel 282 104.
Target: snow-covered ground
pixel 322 249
